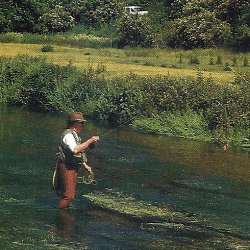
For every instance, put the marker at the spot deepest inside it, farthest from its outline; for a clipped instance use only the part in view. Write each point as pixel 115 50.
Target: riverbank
pixel 194 108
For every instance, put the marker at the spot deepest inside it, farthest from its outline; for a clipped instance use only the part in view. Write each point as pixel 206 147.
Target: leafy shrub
pixel 211 61
pixel 245 62
pixel 234 61
pixel 218 21
pixel 19 16
pixel 135 31
pixel 56 20
pixel 47 48
pixel 199 30
pixel 227 67
pixel 13 73
pixel 219 60
pixel 180 59
pixel 93 12
pixel 194 60
pixel 242 38
pixel 148 64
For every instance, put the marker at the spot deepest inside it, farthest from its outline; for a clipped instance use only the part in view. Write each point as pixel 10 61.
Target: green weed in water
pixel 116 200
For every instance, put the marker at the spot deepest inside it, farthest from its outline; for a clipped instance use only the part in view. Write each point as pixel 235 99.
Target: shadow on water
pixel 152 192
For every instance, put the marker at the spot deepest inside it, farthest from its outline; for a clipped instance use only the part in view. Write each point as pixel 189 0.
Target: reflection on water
pixel 188 177
pixel 207 158
pixel 66 223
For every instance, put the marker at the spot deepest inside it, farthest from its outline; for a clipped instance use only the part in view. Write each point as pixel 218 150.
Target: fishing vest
pixel 66 155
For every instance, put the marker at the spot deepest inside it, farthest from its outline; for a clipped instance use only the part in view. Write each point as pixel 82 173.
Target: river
pixel 205 189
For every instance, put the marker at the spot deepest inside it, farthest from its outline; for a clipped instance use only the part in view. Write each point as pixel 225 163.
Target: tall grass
pixel 194 108
pixel 189 125
pixel 60 39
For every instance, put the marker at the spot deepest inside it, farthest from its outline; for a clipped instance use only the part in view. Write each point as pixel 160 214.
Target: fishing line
pixel 88 177
pixel 111 130
pixel 238 74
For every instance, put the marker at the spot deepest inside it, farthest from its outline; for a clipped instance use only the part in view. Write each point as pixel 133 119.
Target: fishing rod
pixel 238 74
pixel 88 177
pixel 113 129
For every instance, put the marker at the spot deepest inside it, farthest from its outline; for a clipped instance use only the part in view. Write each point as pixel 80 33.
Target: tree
pixel 135 31
pixel 233 11
pixel 92 11
pixel 210 22
pixel 19 16
pixel 199 30
pixel 55 21
pixel 237 14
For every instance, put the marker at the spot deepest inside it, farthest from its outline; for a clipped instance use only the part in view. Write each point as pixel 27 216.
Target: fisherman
pixel 70 157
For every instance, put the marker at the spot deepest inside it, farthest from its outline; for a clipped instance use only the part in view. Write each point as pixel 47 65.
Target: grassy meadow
pixel 150 62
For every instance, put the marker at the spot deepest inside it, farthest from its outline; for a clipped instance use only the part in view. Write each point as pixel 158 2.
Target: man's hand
pixel 84 145
pixel 87 167
pixel 94 139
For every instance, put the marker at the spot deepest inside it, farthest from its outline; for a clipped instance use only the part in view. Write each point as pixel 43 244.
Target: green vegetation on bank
pixel 195 108
pixel 61 39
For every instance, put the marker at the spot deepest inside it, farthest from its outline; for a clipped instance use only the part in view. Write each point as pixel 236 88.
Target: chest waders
pixel 66 156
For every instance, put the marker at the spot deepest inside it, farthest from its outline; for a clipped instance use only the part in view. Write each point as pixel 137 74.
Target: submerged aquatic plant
pixel 116 200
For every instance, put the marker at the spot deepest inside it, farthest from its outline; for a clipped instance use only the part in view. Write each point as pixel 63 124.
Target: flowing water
pixel 206 190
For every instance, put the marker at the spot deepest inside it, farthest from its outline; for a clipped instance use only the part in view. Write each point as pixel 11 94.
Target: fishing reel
pixel 86 175
pixel 89 178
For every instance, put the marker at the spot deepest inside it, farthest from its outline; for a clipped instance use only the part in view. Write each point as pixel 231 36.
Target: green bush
pixel 57 20
pixel 245 62
pixel 93 12
pixel 194 60
pixel 199 30
pixel 219 60
pixel 189 125
pixel 135 31
pixel 47 48
pixel 227 67
pixel 210 23
pixel 242 37
pixel 19 16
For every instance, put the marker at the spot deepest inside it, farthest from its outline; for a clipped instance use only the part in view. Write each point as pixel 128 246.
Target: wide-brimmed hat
pixel 76 117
